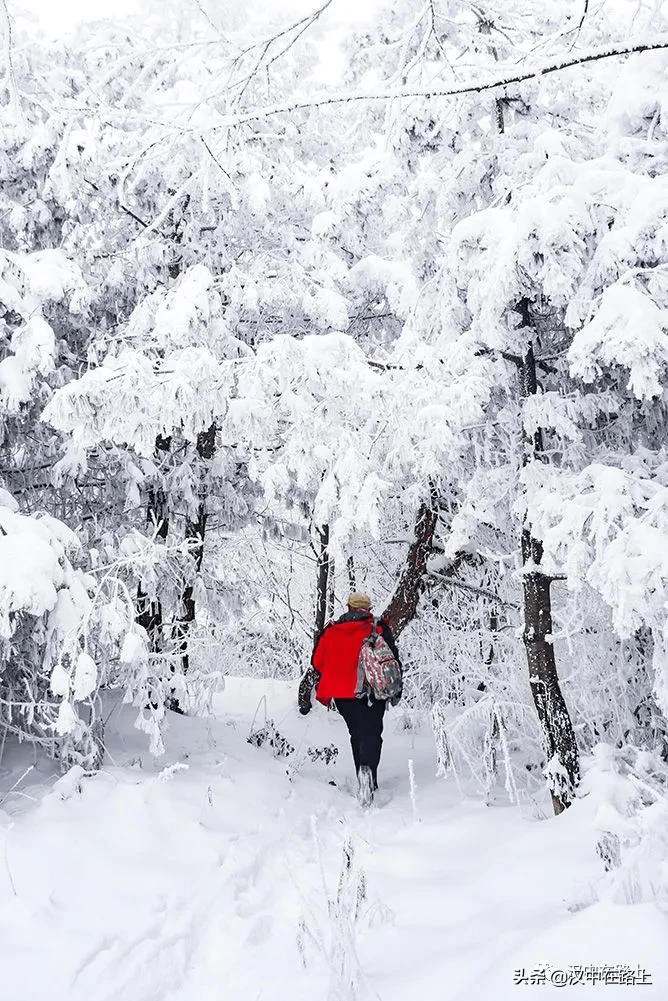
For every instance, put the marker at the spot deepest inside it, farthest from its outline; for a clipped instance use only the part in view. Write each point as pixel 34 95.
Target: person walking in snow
pixel 341 682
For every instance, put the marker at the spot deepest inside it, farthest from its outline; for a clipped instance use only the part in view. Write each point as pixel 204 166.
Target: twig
pixel 434 32
pixel 300 26
pixel 9 871
pixel 212 23
pixel 123 208
pixel 585 9
pixel 19 780
pixel 214 158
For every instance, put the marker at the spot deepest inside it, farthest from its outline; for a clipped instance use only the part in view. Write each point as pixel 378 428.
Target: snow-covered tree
pixel 259 347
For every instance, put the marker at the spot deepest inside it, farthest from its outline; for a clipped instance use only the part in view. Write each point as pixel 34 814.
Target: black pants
pixel 365 726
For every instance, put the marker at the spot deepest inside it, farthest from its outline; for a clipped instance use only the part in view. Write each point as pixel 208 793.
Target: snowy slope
pixel 206 876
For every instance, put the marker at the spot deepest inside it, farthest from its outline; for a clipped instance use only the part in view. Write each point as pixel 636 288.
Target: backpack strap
pixel 376 631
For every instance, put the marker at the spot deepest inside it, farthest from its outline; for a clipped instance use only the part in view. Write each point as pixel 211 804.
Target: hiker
pixel 340 681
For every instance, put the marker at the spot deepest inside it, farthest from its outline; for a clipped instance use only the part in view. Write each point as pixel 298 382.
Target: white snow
pixel 299 244
pixel 190 879
pixel 629 329
pixel 31 568
pixel 85 676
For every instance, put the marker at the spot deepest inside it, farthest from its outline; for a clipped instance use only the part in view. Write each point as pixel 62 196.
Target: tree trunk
pixel 149 611
pixel 331 597
pixel 322 583
pixel 350 565
pixel 558 735
pixel 194 534
pixel 403 603
pixel 324 607
pixel 195 530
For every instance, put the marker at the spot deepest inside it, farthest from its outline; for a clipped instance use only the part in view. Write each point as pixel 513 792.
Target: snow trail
pixel 220 871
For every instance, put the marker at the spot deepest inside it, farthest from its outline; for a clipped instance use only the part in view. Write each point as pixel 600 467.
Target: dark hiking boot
pixel 365 789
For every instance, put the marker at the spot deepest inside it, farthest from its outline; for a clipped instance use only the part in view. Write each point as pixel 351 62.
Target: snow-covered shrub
pixel 331 925
pixel 44 601
pixel 629 789
pixel 67 633
pixel 269 735
pixel 267 331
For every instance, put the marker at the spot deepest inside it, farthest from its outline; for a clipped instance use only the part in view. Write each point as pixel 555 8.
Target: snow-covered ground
pixel 218 873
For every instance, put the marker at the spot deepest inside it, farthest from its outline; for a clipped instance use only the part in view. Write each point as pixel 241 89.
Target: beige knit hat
pixel 359 601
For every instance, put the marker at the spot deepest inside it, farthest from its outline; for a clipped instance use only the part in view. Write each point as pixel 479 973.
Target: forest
pixel 296 303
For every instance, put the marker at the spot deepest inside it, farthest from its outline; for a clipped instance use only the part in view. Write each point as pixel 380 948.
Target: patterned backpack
pixel 379 666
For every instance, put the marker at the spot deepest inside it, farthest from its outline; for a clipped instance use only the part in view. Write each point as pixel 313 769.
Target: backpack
pixel 379 666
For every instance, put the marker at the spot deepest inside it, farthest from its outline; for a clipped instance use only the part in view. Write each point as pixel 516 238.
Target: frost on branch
pixel 629 330
pixel 28 282
pixel 42 599
pixel 61 632
pixel 607 527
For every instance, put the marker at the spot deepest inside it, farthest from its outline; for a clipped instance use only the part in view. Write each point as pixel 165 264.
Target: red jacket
pixel 336 656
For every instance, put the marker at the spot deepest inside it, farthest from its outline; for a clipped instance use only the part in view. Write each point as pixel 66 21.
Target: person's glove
pixel 396 699
pixel 304 694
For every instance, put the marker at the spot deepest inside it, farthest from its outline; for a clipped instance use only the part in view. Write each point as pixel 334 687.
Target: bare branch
pixel 506 355
pixel 612 52
pixel 208 19
pixel 439 44
pixel 298 27
pixel 214 158
pixel 123 208
pixel 482 591
pixel 585 10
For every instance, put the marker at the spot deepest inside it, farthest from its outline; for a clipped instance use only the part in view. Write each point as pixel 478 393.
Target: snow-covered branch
pixel 501 80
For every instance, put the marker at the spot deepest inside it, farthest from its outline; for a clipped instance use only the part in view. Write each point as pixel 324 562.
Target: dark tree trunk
pixel 195 535
pixel 149 611
pixel 331 577
pixel 403 603
pixel 195 531
pixel 324 607
pixel 350 565
pixel 558 735
pixel 322 582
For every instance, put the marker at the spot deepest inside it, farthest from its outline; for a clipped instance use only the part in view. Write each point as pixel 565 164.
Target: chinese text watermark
pixel 571 976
